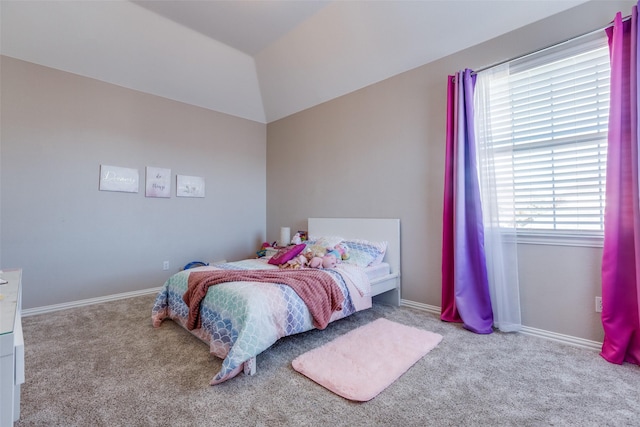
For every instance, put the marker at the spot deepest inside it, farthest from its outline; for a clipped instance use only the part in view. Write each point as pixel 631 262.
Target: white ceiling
pixel 261 60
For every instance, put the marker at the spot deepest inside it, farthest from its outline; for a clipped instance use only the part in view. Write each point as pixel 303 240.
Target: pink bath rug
pixel 360 364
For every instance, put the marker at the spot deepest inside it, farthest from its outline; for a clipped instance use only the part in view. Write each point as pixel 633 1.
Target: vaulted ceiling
pixel 261 60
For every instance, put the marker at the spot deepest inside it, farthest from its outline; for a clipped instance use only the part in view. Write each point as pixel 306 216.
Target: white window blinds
pixel 551 122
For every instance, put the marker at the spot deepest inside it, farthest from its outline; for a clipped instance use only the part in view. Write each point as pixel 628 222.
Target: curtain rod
pixel 626 18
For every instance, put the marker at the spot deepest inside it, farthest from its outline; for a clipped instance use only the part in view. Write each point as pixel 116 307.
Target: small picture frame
pixel 115 178
pixel 158 182
pixel 189 186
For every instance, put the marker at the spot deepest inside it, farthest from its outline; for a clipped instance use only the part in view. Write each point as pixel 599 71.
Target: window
pixel 549 127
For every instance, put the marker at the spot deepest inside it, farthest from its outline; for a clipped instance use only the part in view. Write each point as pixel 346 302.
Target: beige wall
pixel 75 242
pixel 379 152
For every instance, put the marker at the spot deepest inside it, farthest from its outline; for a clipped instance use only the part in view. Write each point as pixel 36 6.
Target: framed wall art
pixel 158 182
pixel 115 178
pixel 189 186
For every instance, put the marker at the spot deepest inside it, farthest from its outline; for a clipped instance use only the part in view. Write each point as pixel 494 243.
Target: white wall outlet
pixel 165 265
pixel 598 304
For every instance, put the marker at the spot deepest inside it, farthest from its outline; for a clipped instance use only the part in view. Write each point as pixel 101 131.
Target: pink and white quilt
pixel 241 319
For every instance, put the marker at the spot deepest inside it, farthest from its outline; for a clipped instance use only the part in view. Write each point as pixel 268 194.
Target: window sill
pixel 589 240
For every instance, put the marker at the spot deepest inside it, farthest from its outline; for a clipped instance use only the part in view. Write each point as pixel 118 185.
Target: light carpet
pixel 106 365
pixel 362 363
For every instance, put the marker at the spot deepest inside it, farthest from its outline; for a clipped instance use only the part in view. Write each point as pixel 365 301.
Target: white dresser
pixel 11 347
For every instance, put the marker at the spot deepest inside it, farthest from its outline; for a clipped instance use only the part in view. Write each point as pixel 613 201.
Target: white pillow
pixel 364 252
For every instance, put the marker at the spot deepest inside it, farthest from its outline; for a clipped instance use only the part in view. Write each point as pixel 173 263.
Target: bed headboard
pixel 373 229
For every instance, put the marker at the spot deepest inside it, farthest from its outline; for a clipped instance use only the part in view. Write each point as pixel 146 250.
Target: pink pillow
pixel 286 254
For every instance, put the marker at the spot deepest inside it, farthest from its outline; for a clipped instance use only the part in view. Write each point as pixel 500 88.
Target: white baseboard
pixel 527 330
pixel 433 309
pixel 565 339
pixel 80 303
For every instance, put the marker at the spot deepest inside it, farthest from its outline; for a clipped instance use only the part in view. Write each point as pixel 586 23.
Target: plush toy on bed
pixel 326 261
pixel 335 253
pixel 315 262
pixel 296 240
pixel 312 251
pixel 263 250
pixel 320 257
pixel 329 261
pixel 299 261
pixel 343 252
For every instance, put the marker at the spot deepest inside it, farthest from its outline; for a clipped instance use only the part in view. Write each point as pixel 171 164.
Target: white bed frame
pixel 385 290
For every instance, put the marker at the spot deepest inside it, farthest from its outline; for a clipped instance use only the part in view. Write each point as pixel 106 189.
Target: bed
pixel 244 307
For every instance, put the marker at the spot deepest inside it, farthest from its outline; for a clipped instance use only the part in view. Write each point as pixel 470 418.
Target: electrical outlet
pixel 598 304
pixel 165 265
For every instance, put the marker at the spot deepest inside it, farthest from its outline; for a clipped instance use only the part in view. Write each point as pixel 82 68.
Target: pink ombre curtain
pixel 465 289
pixel 621 251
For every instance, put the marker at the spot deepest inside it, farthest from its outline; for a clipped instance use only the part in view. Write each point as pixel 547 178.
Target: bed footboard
pixel 387 290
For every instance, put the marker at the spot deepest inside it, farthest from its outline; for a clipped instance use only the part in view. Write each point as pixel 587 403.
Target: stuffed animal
pixel 315 262
pixel 319 257
pixel 315 251
pixel 263 250
pixel 299 261
pixel 329 261
pixel 343 251
pixel 335 254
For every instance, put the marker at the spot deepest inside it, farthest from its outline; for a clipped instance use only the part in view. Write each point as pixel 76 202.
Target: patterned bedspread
pixel 242 319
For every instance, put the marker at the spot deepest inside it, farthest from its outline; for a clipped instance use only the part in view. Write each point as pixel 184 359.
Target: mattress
pixel 377 271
